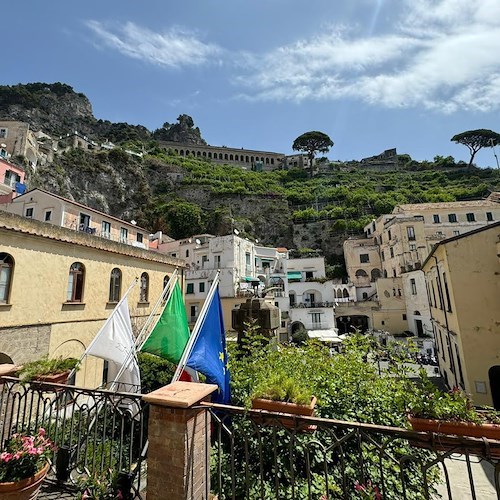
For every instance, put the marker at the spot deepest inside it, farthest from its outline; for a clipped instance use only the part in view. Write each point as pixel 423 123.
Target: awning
pixel 330 335
pixel 249 279
pixel 294 275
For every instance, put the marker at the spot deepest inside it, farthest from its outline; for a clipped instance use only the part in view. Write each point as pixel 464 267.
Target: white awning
pixel 330 335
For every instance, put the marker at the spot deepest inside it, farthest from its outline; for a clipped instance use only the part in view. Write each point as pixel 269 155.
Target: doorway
pixel 494 375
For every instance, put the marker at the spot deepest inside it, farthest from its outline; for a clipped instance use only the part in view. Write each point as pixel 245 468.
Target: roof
pixel 67 200
pixel 330 335
pixel 491 201
pixel 459 237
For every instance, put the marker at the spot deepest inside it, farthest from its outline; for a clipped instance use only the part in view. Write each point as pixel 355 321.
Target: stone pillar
pixel 179 442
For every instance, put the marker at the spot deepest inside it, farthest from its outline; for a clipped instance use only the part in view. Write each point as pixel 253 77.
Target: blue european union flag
pixel 209 354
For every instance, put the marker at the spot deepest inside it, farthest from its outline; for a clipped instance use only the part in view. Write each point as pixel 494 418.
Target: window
pixel 413 285
pixel 364 258
pixel 140 237
pixel 447 293
pixel 29 212
pixel 75 282
pixel 115 285
pixel 6 267
pixel 470 217
pixel 3 133
pixel 389 234
pixel 190 288
pixel 144 290
pixel 410 231
pixel 105 229
pixel 201 287
pixel 489 216
pixel 309 275
pixel 391 251
pixel 217 262
pixel 187 252
pixel 436 219
pixel 452 217
pixel 292 298
pixel 193 312
pixel 365 295
pixel 48 216
pixel 84 222
pixel 404 317
pixel 166 279
pixel 123 234
pixel 316 318
pixel 456 233
pixel 383 256
pixel 413 247
pixel 394 273
pixel 247 260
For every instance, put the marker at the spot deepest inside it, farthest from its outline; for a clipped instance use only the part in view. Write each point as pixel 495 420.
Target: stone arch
pixel 181 152
pixel 361 273
pixel 376 274
pixel 417 313
pixel 225 156
pixel 187 152
pixel 198 153
pixel 5 359
pixel 247 159
pixel 231 158
pixel 205 154
pixel 346 293
pixel 209 154
pixel 296 326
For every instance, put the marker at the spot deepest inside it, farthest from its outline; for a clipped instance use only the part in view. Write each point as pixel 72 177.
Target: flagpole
pixel 169 288
pixel 196 330
pixel 164 296
pixel 73 371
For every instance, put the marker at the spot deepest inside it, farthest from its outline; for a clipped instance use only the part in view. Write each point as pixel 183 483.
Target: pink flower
pixel 6 457
pixel 41 431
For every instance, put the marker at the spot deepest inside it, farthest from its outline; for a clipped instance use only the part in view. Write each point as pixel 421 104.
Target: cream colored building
pixel 463 279
pixel 395 245
pixel 17 139
pixel 58 286
pixel 47 207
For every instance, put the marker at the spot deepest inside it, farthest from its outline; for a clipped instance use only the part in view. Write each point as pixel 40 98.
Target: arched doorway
pixel 5 359
pixel 494 375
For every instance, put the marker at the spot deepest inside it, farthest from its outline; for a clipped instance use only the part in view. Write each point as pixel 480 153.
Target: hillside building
pixel 18 140
pixel 58 286
pixel 463 285
pixel 11 181
pixel 394 247
pixel 43 206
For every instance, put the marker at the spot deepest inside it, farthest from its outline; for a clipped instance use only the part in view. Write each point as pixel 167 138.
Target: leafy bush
pixel 34 369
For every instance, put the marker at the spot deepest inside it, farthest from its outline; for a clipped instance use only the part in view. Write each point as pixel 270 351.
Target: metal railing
pixel 94 430
pixel 263 455
pixel 300 305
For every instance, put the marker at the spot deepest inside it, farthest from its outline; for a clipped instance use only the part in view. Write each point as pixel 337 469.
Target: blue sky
pixel 372 74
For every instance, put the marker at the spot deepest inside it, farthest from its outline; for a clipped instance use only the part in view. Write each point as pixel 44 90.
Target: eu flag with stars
pixel 209 354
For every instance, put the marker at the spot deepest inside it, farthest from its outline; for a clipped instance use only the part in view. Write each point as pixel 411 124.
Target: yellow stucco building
pixel 58 286
pixel 462 276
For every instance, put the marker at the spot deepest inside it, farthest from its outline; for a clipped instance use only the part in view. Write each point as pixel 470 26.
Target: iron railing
pixel 263 455
pixel 94 430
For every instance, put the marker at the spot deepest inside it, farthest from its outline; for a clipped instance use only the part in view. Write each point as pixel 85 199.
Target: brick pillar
pixel 179 442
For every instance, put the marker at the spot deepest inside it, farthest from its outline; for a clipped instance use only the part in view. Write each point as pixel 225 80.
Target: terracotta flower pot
pixel 55 378
pixel 489 431
pixel 284 407
pixel 26 489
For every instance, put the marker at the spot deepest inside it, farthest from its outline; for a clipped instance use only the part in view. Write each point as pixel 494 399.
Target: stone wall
pixel 25 343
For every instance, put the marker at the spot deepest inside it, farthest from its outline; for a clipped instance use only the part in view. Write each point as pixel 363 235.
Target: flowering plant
pixel 368 491
pixel 24 455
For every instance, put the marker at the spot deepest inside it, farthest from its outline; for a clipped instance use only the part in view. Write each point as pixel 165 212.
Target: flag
pixel 170 335
pixel 209 354
pixel 115 343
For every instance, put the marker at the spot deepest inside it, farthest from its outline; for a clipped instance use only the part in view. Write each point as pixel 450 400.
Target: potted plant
pixel 24 465
pixel 282 393
pixel 55 370
pixel 450 412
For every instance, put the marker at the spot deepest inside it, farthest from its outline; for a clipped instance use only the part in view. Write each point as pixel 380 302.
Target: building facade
pixel 47 207
pixel 57 287
pixel 462 278
pixel 11 181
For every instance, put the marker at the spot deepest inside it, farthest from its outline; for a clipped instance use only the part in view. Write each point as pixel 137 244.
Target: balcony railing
pixel 301 305
pixel 259 454
pixel 94 430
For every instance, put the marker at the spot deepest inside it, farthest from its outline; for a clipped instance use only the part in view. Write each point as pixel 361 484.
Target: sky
pixel 372 74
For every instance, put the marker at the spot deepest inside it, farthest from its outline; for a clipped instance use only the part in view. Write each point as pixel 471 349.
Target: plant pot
pixel 26 489
pixel 283 407
pixel 489 431
pixel 55 378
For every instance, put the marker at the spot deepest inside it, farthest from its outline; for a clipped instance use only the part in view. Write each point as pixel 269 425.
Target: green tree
pixel 311 143
pixel 476 140
pixel 183 219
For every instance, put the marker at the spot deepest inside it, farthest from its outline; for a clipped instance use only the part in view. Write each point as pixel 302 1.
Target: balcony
pixel 315 305
pixel 251 453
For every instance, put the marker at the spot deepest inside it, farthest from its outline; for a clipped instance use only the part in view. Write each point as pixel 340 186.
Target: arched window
pixel 76 277
pixel 375 274
pixel 166 279
pixel 361 273
pixel 115 285
pixel 144 290
pixel 346 293
pixel 6 269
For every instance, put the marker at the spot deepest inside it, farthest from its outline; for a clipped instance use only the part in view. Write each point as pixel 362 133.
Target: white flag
pixel 115 343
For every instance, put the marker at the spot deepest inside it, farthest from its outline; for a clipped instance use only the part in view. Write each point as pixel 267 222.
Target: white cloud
pixel 442 55
pixel 174 48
